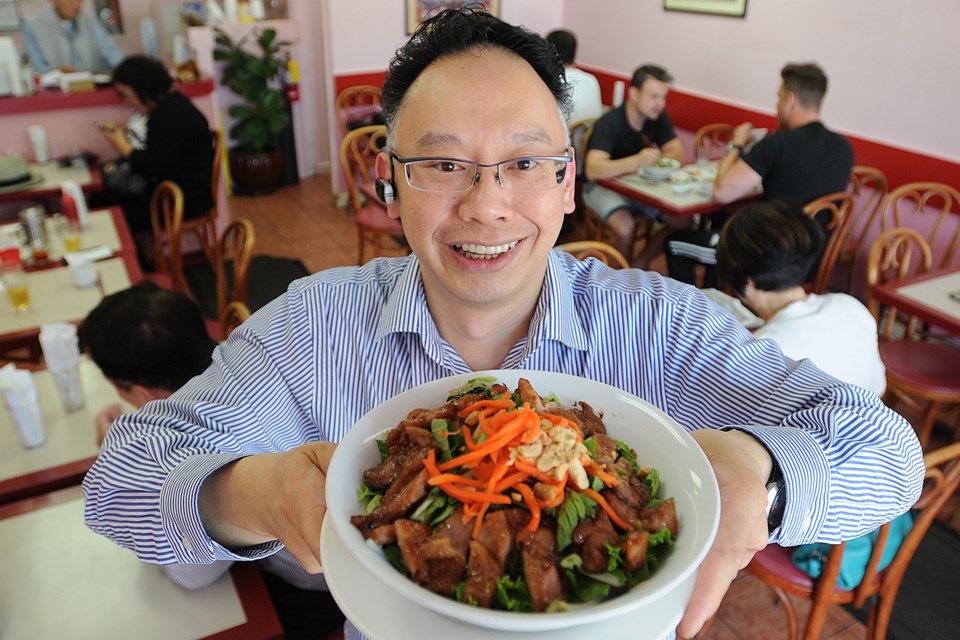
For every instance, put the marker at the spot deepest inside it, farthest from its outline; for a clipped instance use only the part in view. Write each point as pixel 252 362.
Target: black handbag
pixel 122 181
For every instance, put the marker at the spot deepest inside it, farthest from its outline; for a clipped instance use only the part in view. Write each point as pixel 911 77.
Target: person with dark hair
pixel 63 36
pixel 630 137
pixel 478 171
pixel 585 89
pixel 800 162
pixel 179 146
pixel 764 255
pixel 149 342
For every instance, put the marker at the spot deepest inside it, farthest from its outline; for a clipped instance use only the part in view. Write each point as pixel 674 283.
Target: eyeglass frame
pixel 562 173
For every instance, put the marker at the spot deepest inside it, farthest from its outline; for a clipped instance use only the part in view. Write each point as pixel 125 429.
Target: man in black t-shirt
pixel 801 161
pixel 634 135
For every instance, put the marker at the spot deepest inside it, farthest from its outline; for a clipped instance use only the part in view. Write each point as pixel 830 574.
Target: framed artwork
pixel 736 8
pixel 420 10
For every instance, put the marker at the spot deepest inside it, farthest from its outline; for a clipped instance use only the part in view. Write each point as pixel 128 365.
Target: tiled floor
pixel 301 221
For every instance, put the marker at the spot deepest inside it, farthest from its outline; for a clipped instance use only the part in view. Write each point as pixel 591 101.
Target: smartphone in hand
pixel 104 126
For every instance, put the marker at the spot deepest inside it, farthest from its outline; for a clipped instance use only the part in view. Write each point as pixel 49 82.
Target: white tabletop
pixel 54 298
pixel 70 436
pixel 54 175
pixel 61 580
pixel 663 190
pixel 100 230
pixel 935 293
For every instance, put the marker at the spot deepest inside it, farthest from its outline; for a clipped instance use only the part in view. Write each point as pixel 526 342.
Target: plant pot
pixel 255 172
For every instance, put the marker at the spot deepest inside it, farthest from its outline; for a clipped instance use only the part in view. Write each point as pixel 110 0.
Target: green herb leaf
pixel 575 507
pixel 591 445
pixel 383 449
pixel 440 428
pixel 653 481
pixel 473 385
pixel 624 450
pixel 514 594
pixel 661 537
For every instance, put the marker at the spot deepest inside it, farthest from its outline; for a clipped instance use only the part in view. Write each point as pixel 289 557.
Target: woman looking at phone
pixel 178 142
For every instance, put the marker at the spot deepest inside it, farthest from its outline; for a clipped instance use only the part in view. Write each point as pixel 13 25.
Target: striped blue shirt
pixel 312 362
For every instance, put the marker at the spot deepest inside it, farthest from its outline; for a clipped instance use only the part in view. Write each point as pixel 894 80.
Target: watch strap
pixel 776 498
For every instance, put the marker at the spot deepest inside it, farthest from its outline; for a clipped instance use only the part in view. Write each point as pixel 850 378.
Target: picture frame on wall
pixel 420 10
pixel 734 8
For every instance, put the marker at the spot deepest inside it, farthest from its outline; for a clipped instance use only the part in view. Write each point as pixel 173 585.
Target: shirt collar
pixel 555 317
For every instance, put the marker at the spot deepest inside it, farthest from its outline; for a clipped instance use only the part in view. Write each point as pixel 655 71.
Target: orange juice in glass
pixel 71 241
pixel 19 296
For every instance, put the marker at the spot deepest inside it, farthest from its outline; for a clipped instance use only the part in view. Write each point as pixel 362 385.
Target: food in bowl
pixel 681 181
pixel 506 500
pixel 661 169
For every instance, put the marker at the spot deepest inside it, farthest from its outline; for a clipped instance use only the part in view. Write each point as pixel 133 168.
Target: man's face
pixel 486 246
pixel 651 99
pixel 67 9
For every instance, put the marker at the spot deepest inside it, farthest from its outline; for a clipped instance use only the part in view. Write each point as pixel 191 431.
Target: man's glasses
pixel 452 175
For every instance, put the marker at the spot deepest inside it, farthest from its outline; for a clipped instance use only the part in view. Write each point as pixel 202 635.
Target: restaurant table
pixel 660 195
pixel 105 227
pixel 88 177
pixel 71 444
pixel 54 298
pixel 927 297
pixel 61 580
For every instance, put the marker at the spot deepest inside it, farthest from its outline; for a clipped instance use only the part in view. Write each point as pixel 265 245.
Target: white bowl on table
pixel 660 171
pixel 357 571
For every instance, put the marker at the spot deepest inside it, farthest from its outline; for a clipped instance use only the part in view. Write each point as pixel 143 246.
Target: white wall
pixel 894 65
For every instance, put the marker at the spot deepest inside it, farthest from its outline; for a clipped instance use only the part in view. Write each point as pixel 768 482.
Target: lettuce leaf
pixel 513 593
pixel 575 507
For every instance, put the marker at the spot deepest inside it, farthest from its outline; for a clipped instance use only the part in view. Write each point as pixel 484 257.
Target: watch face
pixel 776 503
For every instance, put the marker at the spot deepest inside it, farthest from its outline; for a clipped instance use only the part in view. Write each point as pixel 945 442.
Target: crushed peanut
pixel 557 453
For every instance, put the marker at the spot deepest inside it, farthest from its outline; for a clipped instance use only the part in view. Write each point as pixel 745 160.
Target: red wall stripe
pixel 691 112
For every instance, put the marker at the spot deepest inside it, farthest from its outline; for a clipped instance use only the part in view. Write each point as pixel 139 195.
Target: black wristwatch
pixel 776 498
pixel 732 146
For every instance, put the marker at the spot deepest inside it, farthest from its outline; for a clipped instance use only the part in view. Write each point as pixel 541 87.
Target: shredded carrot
pixel 528 468
pixel 452 478
pixel 617 520
pixel 531 501
pixel 558 498
pixel 491 406
pixel 595 469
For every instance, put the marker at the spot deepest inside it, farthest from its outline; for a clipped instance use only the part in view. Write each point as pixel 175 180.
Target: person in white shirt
pixel 765 254
pixel 62 36
pixel 585 89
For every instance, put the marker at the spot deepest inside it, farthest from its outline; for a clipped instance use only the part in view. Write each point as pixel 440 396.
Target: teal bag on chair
pixel 810 558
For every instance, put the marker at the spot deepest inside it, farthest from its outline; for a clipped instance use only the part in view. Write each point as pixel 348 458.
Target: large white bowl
pixel 659 441
pixel 660 173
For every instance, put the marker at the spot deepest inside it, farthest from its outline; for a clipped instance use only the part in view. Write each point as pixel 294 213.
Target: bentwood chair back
pixel 580 132
pixel 933 209
pixel 868 186
pixel 204 227
pixel 358 152
pixel 166 220
pixel 602 251
pixel 923 374
pixel 232 316
pixel 355 103
pixel 836 207
pixel 235 249
pixel 878 589
pixel 711 140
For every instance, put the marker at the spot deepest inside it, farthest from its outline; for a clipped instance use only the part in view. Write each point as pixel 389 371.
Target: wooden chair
pixel 593 249
pixel 166 220
pixel 236 248
pixel 930 206
pixel 232 316
pixel 878 589
pixel 205 227
pixel 868 186
pixel 837 206
pixel 356 102
pixel 358 151
pixel 711 140
pixel 919 371
pixel 579 137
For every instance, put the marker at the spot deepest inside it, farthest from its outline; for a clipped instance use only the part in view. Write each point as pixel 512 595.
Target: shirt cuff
pixel 806 475
pixel 180 514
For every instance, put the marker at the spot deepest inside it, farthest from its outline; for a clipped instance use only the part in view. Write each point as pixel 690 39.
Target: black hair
pixel 566 44
pixel 147 76
pixel 147 336
pixel 455 31
pixel 649 71
pixel 774 244
pixel 807 81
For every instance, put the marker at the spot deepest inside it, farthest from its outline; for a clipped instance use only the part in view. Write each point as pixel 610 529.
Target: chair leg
pixel 787 609
pixel 878 618
pixel 926 428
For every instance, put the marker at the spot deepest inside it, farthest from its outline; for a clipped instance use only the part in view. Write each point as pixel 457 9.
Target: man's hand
pixel 742 134
pixel 742 466
pixel 273 496
pixel 648 156
pixel 105 418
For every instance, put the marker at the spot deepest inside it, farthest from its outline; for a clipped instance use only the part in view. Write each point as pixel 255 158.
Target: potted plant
pixel 260 120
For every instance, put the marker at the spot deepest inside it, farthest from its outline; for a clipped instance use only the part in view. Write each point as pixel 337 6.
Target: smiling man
pixel 478 170
pixel 63 36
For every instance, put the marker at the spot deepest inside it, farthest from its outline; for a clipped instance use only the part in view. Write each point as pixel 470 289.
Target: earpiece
pixel 384 190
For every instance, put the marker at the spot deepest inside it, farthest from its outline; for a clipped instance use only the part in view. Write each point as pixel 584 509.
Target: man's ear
pixel 385 186
pixel 569 185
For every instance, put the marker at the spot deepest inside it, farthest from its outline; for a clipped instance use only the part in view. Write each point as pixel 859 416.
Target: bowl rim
pixel 700 527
